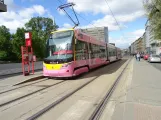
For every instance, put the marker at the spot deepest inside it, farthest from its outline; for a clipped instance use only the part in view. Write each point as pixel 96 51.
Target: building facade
pixel 100 33
pixel 132 49
pixel 144 42
pixel 153 46
pixel 147 43
pixel 147 37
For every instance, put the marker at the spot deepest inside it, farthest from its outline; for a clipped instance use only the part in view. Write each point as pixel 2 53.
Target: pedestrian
pixel 138 56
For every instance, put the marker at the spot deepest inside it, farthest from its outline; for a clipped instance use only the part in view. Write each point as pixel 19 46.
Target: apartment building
pixel 144 42
pixel 147 37
pixel 153 46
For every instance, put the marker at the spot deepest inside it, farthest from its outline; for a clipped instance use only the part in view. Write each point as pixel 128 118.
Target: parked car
pixel 146 56
pixel 154 58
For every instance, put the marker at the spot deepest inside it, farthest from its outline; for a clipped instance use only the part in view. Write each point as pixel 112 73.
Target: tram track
pixel 38 114
pixel 24 96
pixel 37 81
pixel 55 103
pixel 100 108
pixel 36 102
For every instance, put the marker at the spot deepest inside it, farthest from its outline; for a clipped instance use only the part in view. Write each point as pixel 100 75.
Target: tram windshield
pixel 59 47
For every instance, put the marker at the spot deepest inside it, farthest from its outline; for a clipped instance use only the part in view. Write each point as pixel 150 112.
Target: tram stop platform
pixel 19 79
pixel 138 94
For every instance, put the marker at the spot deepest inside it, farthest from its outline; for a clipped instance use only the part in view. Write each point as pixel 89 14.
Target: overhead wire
pixel 115 19
pixel 78 14
pixel 82 18
pixel 112 16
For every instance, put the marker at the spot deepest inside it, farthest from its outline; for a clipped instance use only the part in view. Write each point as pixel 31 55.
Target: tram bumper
pixel 57 73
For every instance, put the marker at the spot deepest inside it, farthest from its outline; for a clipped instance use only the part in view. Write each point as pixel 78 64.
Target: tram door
pixel 91 55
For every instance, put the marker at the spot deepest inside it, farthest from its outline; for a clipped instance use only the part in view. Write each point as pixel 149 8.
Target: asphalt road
pixel 15 68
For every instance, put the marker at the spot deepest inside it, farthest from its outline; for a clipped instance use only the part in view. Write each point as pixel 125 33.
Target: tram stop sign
pixel 28 39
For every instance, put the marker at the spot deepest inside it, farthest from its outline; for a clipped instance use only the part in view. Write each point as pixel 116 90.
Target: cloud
pixel 124 42
pixel 137 33
pixel 61 12
pixel 29 12
pixel 127 11
pixel 109 21
pixel 100 6
pixel 14 19
pixel 66 26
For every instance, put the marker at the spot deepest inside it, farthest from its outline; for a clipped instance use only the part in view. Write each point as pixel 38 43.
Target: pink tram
pixel 71 52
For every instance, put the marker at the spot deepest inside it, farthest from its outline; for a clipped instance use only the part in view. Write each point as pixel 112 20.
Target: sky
pixel 129 14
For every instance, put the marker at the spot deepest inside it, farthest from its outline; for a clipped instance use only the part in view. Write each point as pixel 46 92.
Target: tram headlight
pixel 66 65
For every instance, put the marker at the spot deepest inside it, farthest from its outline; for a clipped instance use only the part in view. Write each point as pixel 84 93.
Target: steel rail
pixel 41 112
pixel 100 108
pixel 11 101
pixel 52 105
pixel 38 81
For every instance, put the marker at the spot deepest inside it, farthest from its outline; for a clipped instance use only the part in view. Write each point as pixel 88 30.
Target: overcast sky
pixel 130 15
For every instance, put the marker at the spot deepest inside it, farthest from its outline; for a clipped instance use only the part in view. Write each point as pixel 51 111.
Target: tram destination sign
pixel 61 34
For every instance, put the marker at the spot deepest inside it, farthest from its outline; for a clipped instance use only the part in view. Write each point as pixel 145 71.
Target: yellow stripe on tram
pixel 53 66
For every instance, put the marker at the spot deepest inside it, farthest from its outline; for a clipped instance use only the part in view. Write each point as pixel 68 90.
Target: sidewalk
pixel 138 94
pixel 6 83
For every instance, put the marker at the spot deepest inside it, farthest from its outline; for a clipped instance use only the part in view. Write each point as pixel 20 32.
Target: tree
pixel 5 43
pixel 153 9
pixel 40 27
pixel 18 41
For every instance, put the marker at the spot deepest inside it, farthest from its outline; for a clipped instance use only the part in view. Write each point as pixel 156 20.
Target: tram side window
pixel 81 50
pixel 102 52
pixel 95 51
pixel 112 52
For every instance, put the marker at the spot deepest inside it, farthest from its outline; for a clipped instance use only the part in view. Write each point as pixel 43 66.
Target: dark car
pixel 142 55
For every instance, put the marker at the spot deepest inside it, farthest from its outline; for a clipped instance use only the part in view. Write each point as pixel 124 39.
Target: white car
pixel 154 58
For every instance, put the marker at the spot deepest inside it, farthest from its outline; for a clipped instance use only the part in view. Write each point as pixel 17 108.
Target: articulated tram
pixel 72 52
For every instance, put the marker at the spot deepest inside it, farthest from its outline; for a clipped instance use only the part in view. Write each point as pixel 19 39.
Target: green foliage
pixel 153 10
pixel 41 28
pixel 18 41
pixel 5 43
pixel 10 45
pixel 3 55
pixel 4 38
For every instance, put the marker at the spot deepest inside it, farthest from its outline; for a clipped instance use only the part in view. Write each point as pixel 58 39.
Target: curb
pixel 17 73
pixel 30 80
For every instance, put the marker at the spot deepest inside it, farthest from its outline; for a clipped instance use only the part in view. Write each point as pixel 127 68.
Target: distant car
pixel 154 58
pixel 146 56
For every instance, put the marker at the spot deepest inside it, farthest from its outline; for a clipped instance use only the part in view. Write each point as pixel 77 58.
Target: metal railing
pixel 2 1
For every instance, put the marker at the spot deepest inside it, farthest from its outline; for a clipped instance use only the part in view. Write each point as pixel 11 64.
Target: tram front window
pixel 59 47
